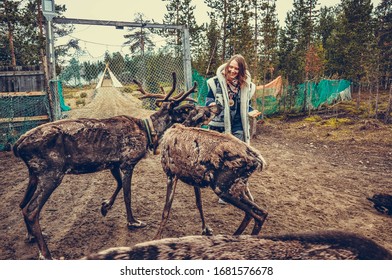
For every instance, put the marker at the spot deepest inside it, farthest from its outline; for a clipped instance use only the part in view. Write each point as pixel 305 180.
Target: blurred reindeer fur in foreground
pixel 326 245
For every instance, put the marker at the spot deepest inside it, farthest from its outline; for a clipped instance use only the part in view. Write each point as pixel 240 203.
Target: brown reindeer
pixel 323 245
pixel 203 158
pixel 84 145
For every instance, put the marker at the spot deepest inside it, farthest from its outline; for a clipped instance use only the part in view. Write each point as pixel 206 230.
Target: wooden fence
pixel 23 102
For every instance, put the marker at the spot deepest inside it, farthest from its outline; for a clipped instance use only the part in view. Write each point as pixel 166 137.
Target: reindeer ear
pixel 215 108
pixel 158 103
pixel 186 108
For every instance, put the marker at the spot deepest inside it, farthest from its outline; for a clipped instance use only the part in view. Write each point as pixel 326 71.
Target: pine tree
pixel 117 64
pixel 208 58
pixel 71 73
pixel 28 42
pixel 219 11
pixel 181 12
pixel 296 38
pixel 139 38
pixel 9 18
pixel 351 45
pixel 268 48
pixel 234 18
pixel 384 39
pixel 326 24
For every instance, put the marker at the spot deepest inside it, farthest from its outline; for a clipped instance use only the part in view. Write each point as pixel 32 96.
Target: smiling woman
pixel 232 88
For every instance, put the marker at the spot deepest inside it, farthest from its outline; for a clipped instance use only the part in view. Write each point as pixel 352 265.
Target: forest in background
pixel 351 40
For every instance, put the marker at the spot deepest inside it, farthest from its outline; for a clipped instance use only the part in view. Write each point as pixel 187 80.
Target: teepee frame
pixel 115 81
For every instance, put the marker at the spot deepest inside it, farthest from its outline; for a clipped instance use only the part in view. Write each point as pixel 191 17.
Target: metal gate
pixel 153 69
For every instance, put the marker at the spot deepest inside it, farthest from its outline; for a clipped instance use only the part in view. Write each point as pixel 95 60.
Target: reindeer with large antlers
pixel 84 145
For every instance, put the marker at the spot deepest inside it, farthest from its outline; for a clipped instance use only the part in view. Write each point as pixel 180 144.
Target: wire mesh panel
pixel 152 67
pixel 23 102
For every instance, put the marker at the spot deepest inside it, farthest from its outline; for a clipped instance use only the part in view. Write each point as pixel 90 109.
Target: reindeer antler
pixel 173 87
pixel 166 97
pixel 160 97
pixel 184 96
pixel 147 94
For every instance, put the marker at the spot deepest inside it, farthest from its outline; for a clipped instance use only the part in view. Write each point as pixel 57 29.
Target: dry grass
pixel 345 121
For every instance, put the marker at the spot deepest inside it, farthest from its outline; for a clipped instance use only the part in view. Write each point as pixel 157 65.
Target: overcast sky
pixel 108 38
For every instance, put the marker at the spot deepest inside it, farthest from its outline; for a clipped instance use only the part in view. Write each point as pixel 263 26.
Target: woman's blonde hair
pixel 242 71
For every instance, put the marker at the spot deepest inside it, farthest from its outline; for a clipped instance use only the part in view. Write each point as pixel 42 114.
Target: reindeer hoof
pixel 105 208
pixel 30 239
pixel 207 232
pixel 136 224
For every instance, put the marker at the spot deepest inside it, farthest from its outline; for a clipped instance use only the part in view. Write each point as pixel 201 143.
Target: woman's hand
pixel 254 113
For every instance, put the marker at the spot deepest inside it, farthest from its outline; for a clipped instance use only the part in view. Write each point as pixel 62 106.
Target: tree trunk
pixel 359 96
pixel 389 107
pixel 370 98
pixel 11 39
pixel 377 98
pixel 224 30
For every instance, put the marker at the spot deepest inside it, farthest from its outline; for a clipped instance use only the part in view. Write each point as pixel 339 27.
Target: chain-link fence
pixel 153 71
pixel 153 68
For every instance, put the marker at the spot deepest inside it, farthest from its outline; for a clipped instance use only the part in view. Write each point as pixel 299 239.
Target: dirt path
pixel 313 182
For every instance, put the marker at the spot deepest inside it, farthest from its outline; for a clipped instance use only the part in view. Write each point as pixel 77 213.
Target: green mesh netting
pixel 326 92
pixel 268 105
pixel 307 96
pixel 24 103
pixel 202 88
pixel 57 86
pixel 18 114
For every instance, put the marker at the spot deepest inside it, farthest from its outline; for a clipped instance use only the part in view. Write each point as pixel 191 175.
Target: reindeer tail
pixel 263 163
pixel 16 145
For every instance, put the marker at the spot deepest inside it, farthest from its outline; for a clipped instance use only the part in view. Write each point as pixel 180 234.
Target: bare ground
pixel 318 178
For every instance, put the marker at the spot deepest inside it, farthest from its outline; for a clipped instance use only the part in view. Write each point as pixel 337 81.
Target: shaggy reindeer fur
pixel 329 245
pixel 80 146
pixel 203 158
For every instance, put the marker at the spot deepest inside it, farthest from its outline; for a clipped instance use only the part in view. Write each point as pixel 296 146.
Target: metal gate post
pixel 49 12
pixel 187 58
